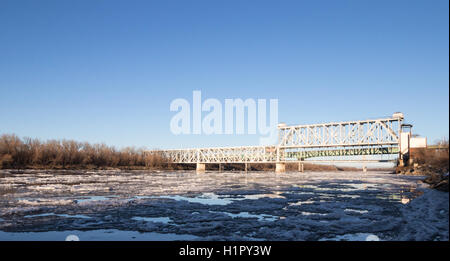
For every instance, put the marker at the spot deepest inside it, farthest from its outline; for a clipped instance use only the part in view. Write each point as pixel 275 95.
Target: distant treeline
pixel 34 153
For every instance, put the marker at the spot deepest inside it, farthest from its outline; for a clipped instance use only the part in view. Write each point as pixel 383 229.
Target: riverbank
pixel 432 163
pixel 436 178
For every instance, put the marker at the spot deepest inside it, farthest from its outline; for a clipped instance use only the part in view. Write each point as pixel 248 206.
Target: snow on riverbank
pixel 426 217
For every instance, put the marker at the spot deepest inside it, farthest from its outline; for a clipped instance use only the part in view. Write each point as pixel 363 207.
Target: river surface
pixel 183 205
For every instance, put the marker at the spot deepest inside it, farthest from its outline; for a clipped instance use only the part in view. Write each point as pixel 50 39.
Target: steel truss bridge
pixel 299 142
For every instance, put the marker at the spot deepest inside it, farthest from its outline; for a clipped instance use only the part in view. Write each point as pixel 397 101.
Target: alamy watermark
pixel 221 119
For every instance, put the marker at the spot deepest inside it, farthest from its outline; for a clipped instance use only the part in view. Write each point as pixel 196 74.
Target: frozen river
pixel 182 205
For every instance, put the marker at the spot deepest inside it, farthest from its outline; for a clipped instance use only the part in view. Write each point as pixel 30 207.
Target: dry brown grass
pixel 433 158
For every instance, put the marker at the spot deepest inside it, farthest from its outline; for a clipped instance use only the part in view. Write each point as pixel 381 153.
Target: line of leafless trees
pixel 34 153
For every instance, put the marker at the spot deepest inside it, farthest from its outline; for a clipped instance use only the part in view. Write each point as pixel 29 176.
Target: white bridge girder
pixel 376 133
pixel 222 154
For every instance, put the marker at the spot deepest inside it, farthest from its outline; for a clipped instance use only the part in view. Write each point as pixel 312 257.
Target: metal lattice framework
pixel 222 154
pixel 355 151
pixel 367 137
pixel 379 132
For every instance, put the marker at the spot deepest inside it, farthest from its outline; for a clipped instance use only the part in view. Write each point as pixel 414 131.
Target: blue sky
pixel 106 71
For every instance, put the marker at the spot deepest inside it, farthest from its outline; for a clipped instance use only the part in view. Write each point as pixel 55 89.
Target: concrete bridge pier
pixel 301 167
pixel 201 167
pixel 280 167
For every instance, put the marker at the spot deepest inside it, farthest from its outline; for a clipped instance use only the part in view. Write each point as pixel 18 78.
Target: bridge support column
pixel 280 167
pixel 300 167
pixel 220 167
pixel 201 167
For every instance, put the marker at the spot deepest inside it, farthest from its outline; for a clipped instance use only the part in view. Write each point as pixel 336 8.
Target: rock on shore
pixel 437 178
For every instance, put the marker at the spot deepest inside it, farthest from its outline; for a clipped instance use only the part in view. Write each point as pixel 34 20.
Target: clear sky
pixel 106 71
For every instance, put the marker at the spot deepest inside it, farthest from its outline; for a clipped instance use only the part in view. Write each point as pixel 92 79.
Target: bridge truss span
pixel 262 154
pixel 378 132
pixel 299 142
